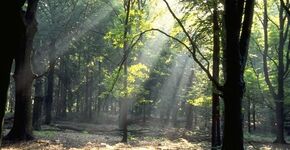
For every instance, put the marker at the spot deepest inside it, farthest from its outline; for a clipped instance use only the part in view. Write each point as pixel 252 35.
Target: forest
pixel 145 74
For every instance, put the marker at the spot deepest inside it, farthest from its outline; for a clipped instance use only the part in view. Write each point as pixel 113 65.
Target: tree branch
pixel 246 32
pixel 193 49
pixel 265 52
pixel 287 70
pixel 287 9
pixel 261 52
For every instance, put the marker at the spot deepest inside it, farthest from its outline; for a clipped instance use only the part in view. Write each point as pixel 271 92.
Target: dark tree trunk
pixel 13 40
pixel 279 100
pixel 22 126
pixel 37 106
pixel 215 131
pixel 49 94
pixel 236 52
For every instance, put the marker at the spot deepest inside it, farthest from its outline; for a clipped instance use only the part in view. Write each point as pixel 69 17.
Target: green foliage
pixel 204 101
pixel 137 23
pixel 137 74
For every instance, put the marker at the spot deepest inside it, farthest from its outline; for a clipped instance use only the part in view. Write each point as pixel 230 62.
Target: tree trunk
pixel 279 100
pixel 236 51
pixel 87 110
pixel 254 116
pixel 189 116
pixel 99 92
pixel 49 96
pixel 22 126
pixel 249 115
pixel 57 99
pixel 233 131
pixel 37 106
pixel 215 130
pixel 124 102
pixel 279 96
pixel 189 107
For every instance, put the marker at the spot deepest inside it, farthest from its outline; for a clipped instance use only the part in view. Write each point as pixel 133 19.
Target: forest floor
pixel 84 136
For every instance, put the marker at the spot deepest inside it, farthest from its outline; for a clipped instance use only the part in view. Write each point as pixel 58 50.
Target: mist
pixel 147 74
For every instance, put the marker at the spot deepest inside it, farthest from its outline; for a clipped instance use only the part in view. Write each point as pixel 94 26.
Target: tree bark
pixel 279 100
pixel 215 131
pixel 237 39
pixel 279 95
pixel 22 126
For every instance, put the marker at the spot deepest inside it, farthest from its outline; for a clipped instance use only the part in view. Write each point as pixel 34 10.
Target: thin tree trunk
pixel 58 98
pixel 249 115
pixel 50 90
pixel 37 106
pixel 188 106
pixel 279 100
pixel 124 102
pixel 254 116
pixel 216 139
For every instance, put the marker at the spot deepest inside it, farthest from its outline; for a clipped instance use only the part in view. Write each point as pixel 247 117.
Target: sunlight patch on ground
pixel 161 145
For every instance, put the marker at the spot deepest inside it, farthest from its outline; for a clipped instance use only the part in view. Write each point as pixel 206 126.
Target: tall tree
pixel 23 75
pixel 188 106
pixel 13 40
pixel 124 102
pixel 278 93
pixel 38 103
pixel 238 22
pixel 238 18
pixel 215 131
